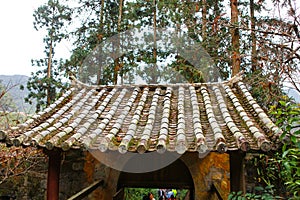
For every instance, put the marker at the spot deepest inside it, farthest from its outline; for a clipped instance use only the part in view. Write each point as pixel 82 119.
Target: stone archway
pixel 201 176
pixel 209 172
pixel 175 175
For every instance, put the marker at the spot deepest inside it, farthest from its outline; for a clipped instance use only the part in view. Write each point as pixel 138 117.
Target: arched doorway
pixel 175 175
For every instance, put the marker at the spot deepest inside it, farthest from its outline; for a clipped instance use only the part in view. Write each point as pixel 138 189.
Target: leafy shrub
pixel 261 193
pixel 277 174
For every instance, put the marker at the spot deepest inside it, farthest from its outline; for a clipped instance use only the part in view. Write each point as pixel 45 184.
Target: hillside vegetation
pixel 13 99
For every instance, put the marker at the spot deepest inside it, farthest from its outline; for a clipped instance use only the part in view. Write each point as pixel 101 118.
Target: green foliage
pixel 260 193
pixel 277 173
pixel 288 115
pixel 7 107
pixel 265 170
pixel 138 193
pixel 6 101
pixel 8 119
pixel 44 83
pixel 102 22
pixel 39 83
pixel 264 89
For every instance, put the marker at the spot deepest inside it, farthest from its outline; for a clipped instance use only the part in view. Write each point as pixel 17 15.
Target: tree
pixel 6 101
pixel 253 37
pixel 236 62
pixel 14 161
pixel 269 54
pixel 101 20
pixel 44 83
pixel 244 40
pixel 276 174
pixel 18 161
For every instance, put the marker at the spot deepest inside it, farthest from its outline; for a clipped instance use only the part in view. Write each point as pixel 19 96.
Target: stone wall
pixel 214 169
pixel 80 169
pixel 31 185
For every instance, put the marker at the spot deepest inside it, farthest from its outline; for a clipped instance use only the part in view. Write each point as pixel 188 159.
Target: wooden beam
pixel 237 172
pixel 216 189
pixel 53 174
pixel 119 195
pixel 86 191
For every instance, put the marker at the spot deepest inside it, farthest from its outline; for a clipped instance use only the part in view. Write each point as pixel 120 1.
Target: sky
pixel 19 41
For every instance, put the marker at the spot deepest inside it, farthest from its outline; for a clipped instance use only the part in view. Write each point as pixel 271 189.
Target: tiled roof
pixel 179 117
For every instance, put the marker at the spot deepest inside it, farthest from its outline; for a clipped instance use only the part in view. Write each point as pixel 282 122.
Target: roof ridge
pixel 77 83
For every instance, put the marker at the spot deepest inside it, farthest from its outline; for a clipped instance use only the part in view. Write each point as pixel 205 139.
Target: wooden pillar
pixel 53 174
pixel 237 172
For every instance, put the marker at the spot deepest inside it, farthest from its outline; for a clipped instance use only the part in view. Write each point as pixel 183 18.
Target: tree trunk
pixel 49 74
pixel 236 59
pixel 49 66
pixel 154 77
pixel 99 71
pixel 117 61
pixel 204 22
pixel 101 14
pixel 253 38
pixel 120 15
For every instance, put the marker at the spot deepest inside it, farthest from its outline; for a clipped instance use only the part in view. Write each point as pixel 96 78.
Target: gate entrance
pixel 175 175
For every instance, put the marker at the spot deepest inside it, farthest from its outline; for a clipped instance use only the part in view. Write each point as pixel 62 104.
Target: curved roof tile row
pixel 179 117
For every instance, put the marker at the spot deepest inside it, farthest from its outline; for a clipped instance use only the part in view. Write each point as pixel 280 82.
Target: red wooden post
pixel 53 174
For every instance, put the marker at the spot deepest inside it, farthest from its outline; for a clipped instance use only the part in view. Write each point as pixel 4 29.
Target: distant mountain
pixel 13 82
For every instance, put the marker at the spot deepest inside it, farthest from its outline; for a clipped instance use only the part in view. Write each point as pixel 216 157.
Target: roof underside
pixel 179 117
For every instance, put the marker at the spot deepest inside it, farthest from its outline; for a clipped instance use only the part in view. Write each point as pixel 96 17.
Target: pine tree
pixel 46 82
